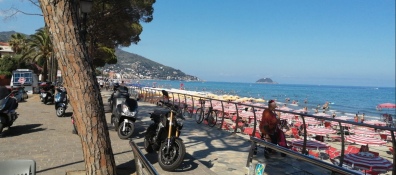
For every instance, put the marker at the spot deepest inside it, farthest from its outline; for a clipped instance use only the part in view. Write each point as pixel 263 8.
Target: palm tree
pixel 40 48
pixel 18 42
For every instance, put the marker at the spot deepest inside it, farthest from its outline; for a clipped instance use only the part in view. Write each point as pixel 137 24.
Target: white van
pixel 31 80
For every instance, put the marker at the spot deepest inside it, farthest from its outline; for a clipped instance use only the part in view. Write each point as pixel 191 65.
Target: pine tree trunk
pixel 61 16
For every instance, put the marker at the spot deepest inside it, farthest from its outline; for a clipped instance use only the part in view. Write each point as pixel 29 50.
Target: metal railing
pixel 143 166
pixel 152 95
pixel 333 168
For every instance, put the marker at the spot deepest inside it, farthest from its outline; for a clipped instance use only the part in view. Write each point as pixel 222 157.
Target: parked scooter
pixel 47 92
pixel 163 136
pixel 21 95
pixel 8 105
pixel 61 101
pixel 124 112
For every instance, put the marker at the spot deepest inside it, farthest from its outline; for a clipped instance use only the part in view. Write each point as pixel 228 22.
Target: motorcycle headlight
pixel 125 110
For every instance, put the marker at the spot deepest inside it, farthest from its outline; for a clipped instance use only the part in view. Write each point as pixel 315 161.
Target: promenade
pixel 40 135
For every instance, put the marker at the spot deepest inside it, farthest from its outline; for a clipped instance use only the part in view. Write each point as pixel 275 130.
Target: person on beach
pixel 269 125
pixel 362 119
pixel 326 105
pixel 334 115
pixel 305 110
pixel 356 118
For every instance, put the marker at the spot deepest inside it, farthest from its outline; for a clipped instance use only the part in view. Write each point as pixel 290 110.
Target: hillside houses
pixel 5 49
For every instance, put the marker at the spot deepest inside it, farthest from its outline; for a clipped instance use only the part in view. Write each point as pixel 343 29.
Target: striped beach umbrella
pixel 367 161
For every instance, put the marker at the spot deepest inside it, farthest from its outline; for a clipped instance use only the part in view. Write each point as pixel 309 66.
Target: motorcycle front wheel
pixel 175 156
pixel 127 133
pixel 60 111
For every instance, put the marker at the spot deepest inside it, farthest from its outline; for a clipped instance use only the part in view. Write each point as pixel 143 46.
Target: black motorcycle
pixel 124 112
pixel 8 105
pixel 163 136
pixel 47 92
pixel 61 101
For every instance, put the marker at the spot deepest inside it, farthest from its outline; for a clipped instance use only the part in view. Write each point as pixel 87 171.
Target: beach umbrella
pixel 367 161
pixel 386 105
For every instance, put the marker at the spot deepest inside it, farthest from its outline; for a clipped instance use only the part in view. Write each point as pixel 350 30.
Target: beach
pixel 343 100
pixel 239 118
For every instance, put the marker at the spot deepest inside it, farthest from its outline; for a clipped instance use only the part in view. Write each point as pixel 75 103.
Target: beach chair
pixel 295 133
pixel 333 152
pixel 384 137
pixel 23 166
pixel 352 150
pixel 313 153
pixel 370 171
pixel 248 131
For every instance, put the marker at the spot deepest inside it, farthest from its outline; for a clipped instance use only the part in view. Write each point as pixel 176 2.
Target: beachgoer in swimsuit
pixel 362 119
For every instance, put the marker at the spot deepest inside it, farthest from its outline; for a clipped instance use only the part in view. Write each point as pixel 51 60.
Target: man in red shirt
pixel 269 124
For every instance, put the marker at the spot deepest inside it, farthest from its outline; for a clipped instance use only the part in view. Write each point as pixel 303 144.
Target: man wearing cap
pixel 268 125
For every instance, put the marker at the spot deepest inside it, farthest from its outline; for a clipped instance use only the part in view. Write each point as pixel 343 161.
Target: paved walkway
pixel 38 134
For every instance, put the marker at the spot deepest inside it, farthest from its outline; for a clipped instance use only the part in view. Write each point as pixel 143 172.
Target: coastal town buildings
pixel 5 49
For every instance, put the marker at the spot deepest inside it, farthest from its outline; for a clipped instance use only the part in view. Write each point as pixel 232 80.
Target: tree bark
pixel 61 16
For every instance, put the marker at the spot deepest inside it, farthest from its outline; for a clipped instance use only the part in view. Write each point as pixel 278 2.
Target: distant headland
pixel 266 81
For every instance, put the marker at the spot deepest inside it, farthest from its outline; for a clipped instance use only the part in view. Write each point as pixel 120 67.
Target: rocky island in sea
pixel 266 81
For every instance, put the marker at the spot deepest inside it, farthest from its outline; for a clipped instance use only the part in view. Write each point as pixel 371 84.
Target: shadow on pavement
pixel 22 129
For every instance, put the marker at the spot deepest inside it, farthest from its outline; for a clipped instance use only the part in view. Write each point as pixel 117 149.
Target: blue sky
pixel 326 42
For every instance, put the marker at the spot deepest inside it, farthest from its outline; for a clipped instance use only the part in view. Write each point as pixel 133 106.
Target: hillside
pixel 137 67
pixel 6 36
pixel 134 66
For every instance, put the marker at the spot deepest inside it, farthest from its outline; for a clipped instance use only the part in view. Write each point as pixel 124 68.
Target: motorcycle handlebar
pixel 170 106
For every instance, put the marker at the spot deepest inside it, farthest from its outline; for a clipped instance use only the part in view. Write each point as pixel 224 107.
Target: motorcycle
pixel 124 112
pixel 47 92
pixel 61 101
pixel 8 105
pixel 21 95
pixel 112 100
pixel 163 136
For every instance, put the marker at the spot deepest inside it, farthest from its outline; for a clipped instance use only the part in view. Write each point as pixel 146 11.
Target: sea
pixel 343 100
